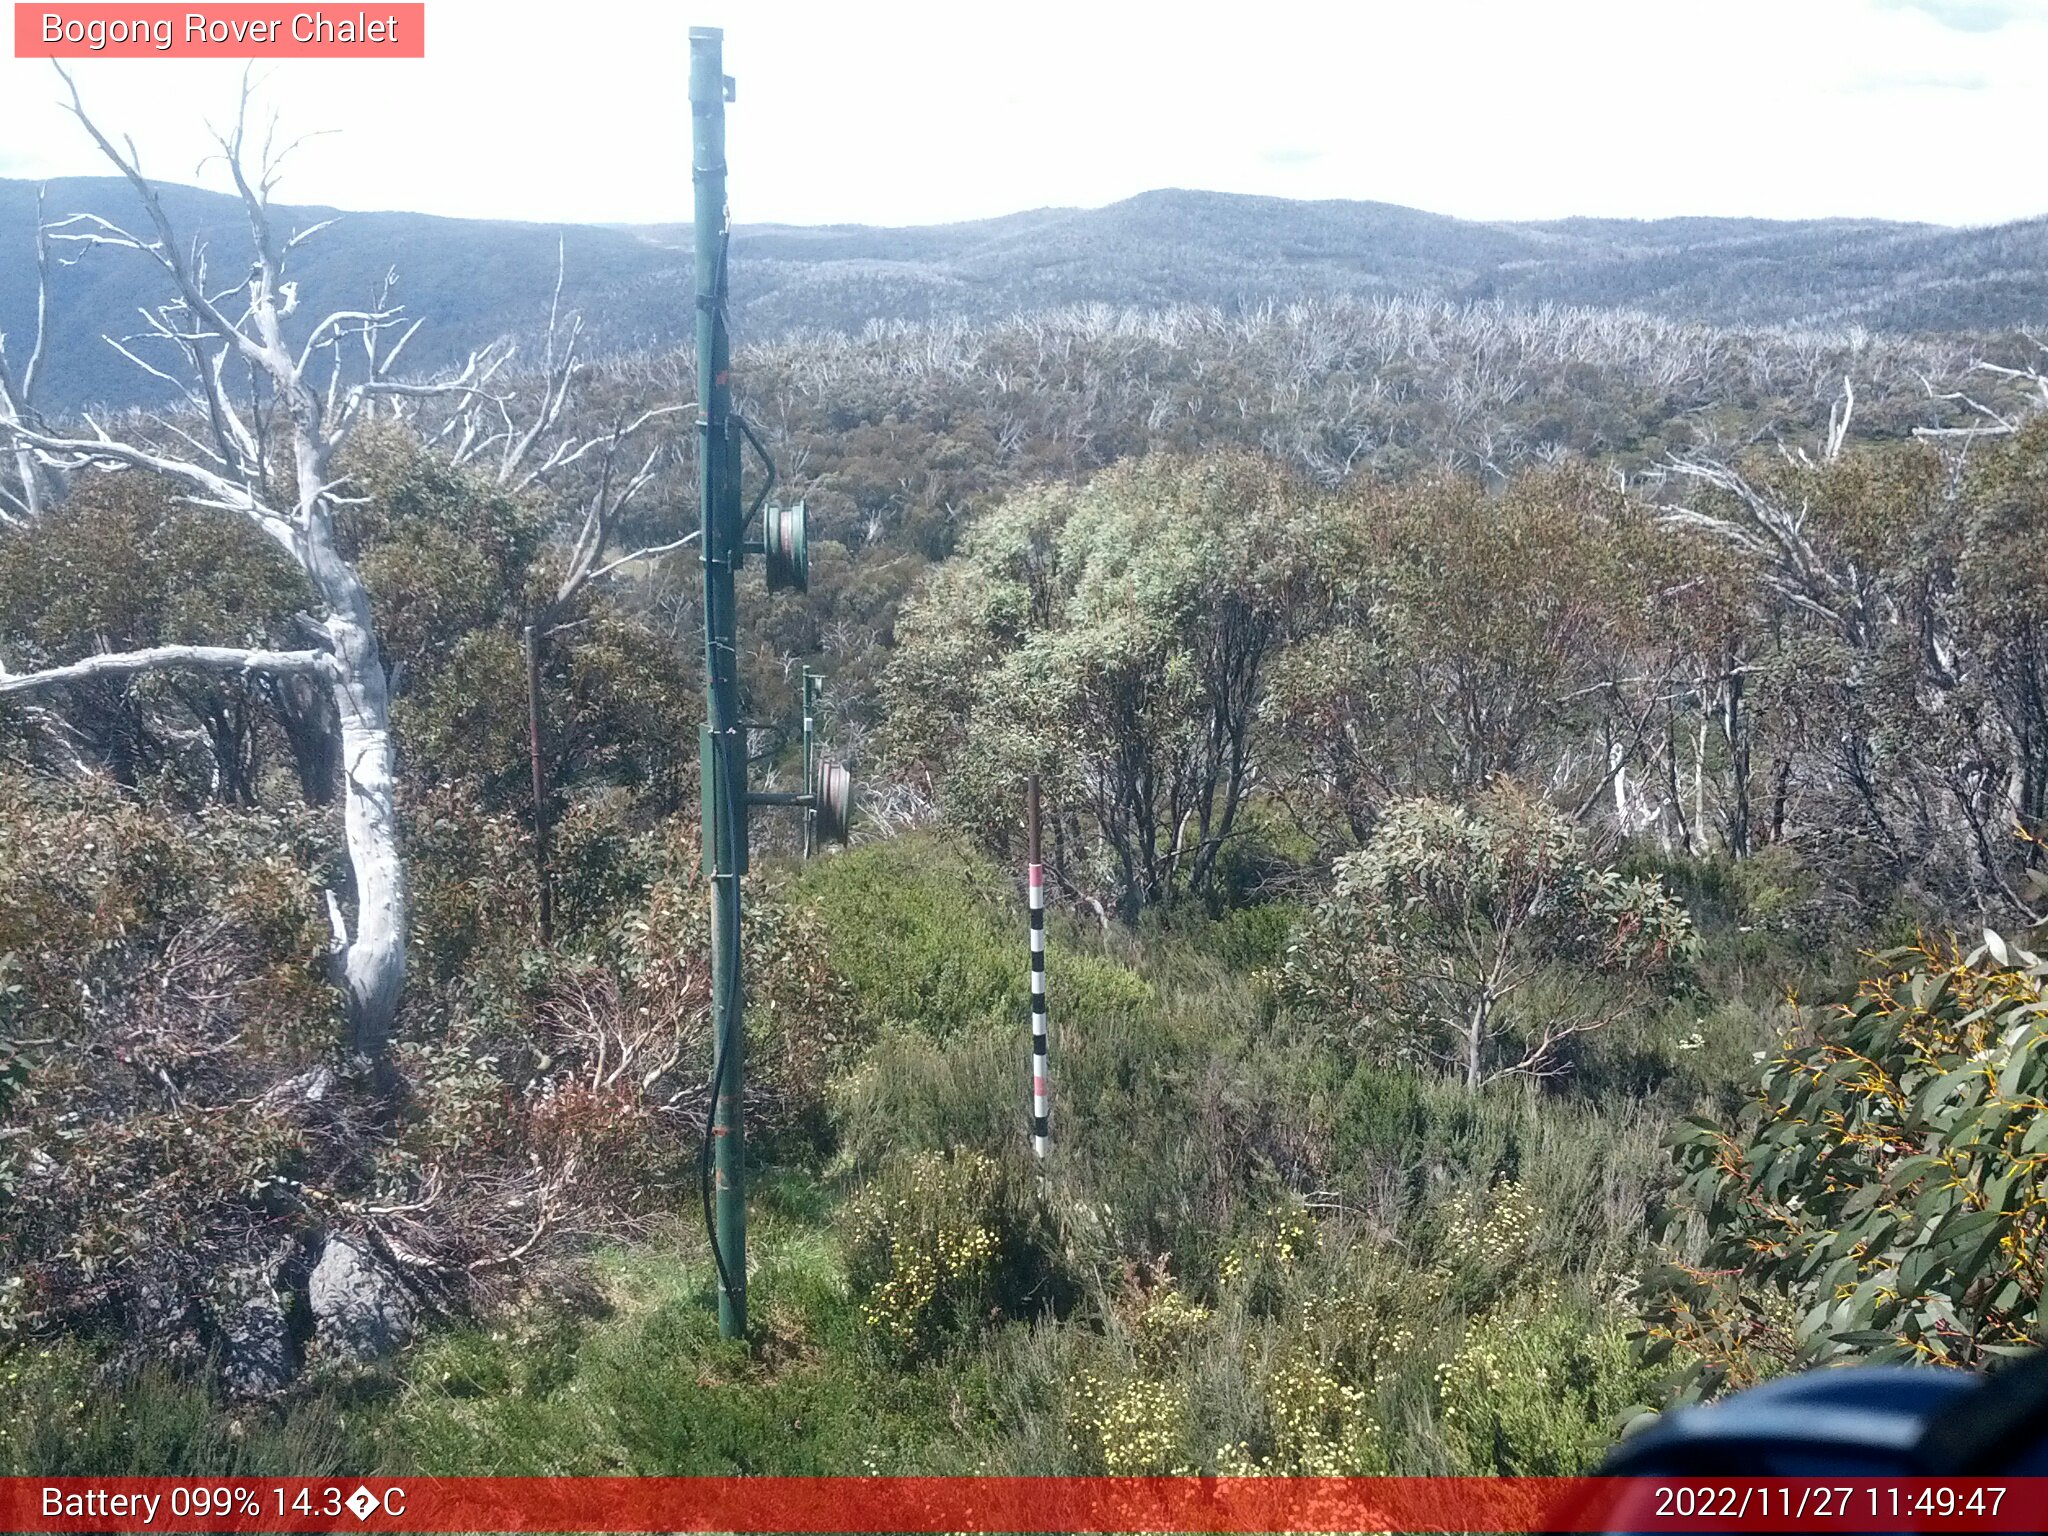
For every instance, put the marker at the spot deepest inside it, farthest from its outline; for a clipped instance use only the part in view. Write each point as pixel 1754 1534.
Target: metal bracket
pixel 767 464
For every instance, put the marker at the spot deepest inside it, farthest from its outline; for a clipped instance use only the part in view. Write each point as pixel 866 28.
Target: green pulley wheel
pixel 786 549
pixel 835 803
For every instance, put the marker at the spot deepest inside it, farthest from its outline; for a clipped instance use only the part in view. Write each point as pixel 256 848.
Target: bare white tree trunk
pixel 1475 1041
pixel 1699 778
pixel 371 960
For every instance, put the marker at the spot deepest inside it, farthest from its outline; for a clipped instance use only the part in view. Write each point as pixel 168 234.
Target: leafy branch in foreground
pixel 1886 1190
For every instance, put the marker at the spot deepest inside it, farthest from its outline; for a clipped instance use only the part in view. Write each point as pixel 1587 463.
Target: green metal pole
pixel 724 755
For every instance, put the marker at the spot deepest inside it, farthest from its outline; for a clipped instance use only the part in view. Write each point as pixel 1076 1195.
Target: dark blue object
pixel 1863 1421
pixel 1868 1419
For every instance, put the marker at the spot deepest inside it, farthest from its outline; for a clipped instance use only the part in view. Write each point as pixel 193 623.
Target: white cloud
pixel 1967 15
pixel 901 111
pixel 1919 80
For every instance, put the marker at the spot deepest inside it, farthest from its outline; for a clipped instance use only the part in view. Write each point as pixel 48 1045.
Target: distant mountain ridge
pixel 478 279
pixel 1219 248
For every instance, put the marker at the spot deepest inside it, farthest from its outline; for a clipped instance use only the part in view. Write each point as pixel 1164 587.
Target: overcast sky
pixel 896 112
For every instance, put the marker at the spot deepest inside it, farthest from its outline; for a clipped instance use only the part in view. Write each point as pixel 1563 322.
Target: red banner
pixel 1021 1504
pixel 234 31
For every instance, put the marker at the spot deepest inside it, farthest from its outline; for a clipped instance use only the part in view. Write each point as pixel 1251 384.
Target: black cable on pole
pixel 721 1052
pixel 720 1048
pixel 704 1165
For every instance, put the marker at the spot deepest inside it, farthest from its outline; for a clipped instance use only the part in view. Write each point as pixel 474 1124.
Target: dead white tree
pixel 534 439
pixel 305 401
pixel 2028 385
pixel 618 486
pixel 22 502
pixel 1772 528
pixel 1840 414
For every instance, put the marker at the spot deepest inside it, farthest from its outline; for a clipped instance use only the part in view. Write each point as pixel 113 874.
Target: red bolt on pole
pixel 1041 1099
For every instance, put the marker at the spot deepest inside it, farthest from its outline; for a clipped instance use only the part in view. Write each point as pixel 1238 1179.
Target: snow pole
pixel 1041 1094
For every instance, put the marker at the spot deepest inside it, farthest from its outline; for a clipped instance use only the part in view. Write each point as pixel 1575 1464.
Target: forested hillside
pixel 1540 799
pixel 482 279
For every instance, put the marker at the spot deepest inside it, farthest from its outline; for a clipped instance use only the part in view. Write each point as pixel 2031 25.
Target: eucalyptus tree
pixel 1116 640
pixel 1470 634
pixel 600 475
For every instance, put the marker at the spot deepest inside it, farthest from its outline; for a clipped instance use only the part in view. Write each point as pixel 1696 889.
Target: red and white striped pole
pixel 1041 1088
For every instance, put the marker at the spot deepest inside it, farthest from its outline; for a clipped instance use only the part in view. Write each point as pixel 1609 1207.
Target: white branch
pixel 199 658
pixel 655 552
pixel 17 397
pixel 215 490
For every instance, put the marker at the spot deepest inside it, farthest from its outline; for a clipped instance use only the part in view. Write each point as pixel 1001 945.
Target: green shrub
pixel 158 965
pixel 909 1092
pixel 1128 1426
pixel 471 873
pixel 64 1413
pixel 920 932
pixel 643 1384
pixel 1426 1146
pixel 1435 941
pixel 1256 1267
pixel 933 939
pixel 1485 1243
pixel 1298 1367
pixel 1539 1389
pixel 603 865
pixel 938 1246
pixel 1265 848
pixel 1770 884
pixel 1320 1421
pixel 95 888
pixel 1252 939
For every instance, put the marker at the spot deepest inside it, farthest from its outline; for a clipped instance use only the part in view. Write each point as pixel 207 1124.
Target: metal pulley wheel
pixel 785 548
pixel 835 803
